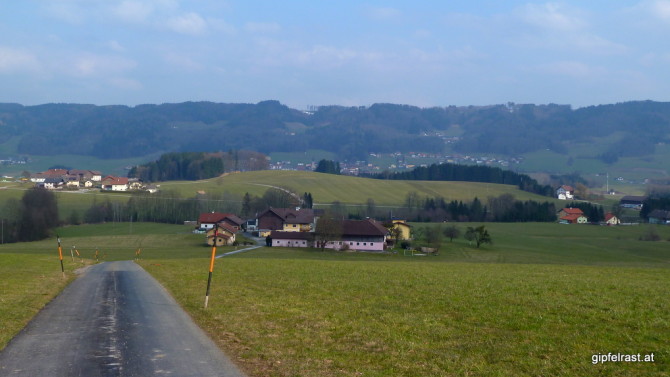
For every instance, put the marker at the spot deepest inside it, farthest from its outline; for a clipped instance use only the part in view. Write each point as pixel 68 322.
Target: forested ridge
pixel 469 173
pixel 349 132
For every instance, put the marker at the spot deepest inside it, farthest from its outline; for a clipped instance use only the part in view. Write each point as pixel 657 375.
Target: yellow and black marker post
pixel 60 255
pixel 211 264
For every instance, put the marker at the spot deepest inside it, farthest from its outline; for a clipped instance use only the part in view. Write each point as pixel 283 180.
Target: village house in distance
pixel 74 179
pixel 565 192
pixel 298 227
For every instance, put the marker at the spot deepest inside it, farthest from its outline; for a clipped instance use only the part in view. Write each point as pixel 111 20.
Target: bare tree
pixel 327 229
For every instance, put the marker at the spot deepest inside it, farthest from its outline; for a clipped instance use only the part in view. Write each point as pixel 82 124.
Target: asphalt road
pixel 115 320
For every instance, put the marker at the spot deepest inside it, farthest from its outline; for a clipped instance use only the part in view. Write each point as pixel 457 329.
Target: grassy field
pixel 326 188
pixel 540 301
pixel 68 201
pixel 28 281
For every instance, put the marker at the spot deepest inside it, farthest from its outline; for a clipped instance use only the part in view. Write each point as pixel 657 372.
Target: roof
pixel 609 216
pixel 279 235
pixel 572 211
pixel 224 226
pixel 660 214
pixel 292 215
pixel 633 199
pixel 572 217
pixel 55 172
pixel 367 227
pixel 234 218
pixel 112 180
pixel 215 217
pixel 567 188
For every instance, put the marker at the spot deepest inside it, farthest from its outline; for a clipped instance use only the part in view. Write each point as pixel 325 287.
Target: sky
pixel 350 53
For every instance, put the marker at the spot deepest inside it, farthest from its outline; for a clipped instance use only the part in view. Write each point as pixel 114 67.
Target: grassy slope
pixel 28 282
pixel 326 188
pixel 68 201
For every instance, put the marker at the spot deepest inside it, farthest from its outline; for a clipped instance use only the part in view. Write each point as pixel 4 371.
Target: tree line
pixel 192 166
pixel 31 218
pixel 469 173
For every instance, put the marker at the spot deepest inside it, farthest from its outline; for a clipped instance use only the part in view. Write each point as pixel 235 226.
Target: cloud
pixel 552 16
pixel 14 60
pixel 116 46
pixel 189 23
pixel 383 13
pixel 262 27
pixel 180 60
pixel 125 83
pixel 573 69
pixel 554 26
pixel 325 57
pixel 133 11
pixel 90 65
pixel 68 12
pixel 660 9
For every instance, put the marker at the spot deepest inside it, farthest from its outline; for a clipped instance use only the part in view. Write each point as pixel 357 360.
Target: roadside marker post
pixel 211 264
pixel 60 255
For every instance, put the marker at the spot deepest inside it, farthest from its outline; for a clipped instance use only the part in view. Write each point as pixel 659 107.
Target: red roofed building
pixel 223 234
pixel 113 183
pixel 611 219
pixel 572 216
pixel 207 220
pixel 565 192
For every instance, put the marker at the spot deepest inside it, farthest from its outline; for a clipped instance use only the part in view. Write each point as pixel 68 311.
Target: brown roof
pixel 55 172
pixel 234 218
pixel 293 215
pixel 572 217
pixel 210 217
pixel 573 211
pixel 223 225
pixel 367 227
pixel 567 188
pixel 215 217
pixel 279 235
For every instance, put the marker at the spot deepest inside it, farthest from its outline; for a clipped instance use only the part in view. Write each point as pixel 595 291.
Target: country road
pixel 115 320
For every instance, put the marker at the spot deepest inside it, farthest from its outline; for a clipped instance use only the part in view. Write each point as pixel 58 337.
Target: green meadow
pixel 326 188
pixel 540 301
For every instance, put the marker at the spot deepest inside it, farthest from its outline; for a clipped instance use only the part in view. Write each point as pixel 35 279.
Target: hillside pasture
pixel 326 188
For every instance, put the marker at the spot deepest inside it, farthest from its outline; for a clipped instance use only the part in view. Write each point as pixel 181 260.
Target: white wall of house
pixel 119 187
pixel 356 245
pixel 291 243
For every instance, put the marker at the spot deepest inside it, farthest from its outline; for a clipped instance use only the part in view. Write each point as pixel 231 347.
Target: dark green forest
pixel 349 132
pixel 469 173
pixel 192 166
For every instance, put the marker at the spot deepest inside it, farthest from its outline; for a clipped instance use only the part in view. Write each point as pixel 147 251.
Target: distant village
pixel 74 179
pixel 400 161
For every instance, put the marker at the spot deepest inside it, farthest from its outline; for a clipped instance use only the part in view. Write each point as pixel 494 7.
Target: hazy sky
pixel 424 53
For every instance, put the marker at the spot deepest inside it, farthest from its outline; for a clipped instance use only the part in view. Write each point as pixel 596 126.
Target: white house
pixel 565 192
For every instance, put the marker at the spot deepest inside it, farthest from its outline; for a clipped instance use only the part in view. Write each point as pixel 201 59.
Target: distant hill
pixel 631 128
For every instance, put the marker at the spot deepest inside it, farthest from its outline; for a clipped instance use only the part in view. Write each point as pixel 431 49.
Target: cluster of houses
pixel 296 227
pixel 55 179
pixel 571 215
